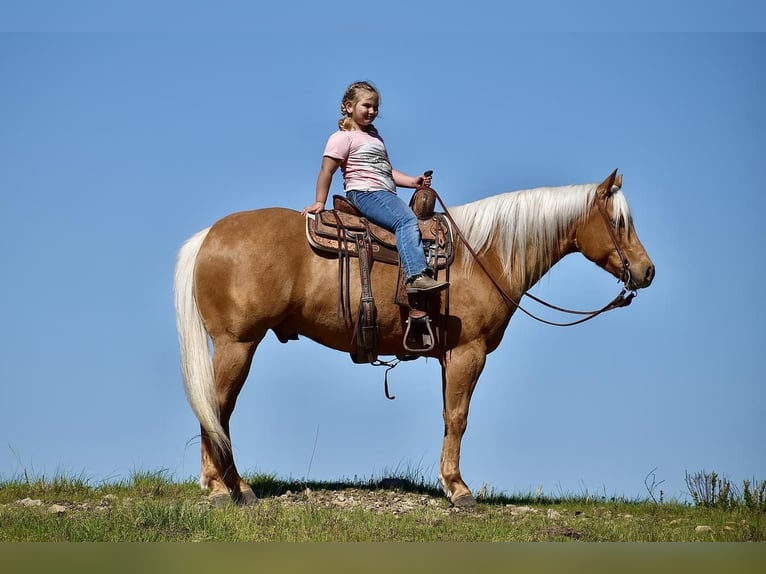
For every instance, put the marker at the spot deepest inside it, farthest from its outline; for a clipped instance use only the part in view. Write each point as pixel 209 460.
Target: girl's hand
pixel 315 207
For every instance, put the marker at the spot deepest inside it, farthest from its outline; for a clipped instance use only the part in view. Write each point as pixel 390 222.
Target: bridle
pixel 624 298
pixel 625 273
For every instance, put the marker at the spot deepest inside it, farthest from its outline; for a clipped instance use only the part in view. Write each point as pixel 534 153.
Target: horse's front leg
pixel 460 372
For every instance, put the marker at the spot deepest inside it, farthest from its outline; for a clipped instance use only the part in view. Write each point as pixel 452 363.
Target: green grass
pixel 150 507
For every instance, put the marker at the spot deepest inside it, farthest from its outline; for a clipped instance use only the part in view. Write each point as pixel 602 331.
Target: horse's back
pixel 259 226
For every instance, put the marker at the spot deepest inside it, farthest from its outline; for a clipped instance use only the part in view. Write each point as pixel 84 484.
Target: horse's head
pixel 607 237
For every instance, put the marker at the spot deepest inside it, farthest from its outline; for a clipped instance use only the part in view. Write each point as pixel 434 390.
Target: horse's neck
pixel 510 279
pixel 540 260
pixel 537 259
pixel 525 249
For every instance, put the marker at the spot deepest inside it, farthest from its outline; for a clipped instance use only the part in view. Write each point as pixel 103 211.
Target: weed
pixel 711 490
pixel 754 495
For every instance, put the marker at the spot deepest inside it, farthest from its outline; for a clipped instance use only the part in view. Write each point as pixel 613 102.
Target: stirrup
pixel 420 339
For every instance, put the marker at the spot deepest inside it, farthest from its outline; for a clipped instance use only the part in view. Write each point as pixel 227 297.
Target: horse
pixel 252 272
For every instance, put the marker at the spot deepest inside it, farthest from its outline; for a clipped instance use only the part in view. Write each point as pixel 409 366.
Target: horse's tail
pixel 196 362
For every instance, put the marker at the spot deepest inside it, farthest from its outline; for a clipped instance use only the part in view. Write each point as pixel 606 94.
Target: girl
pixel 370 182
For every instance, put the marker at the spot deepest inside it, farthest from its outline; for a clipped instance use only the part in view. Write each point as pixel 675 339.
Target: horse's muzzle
pixel 641 278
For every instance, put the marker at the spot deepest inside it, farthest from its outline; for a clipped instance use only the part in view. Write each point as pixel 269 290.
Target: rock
pixel 516 510
pixel 30 502
pixel 703 528
pixel 57 509
pixel 553 514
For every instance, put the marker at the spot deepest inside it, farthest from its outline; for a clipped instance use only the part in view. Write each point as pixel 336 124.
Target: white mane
pixel 531 218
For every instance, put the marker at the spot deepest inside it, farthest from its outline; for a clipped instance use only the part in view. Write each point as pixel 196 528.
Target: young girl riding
pixel 370 182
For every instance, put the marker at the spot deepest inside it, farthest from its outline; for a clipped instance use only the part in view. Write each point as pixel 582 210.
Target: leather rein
pixel 624 298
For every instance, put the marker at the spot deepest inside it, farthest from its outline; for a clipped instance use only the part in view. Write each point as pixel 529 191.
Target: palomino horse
pixel 254 271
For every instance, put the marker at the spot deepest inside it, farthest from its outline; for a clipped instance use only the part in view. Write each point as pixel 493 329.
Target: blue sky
pixel 118 144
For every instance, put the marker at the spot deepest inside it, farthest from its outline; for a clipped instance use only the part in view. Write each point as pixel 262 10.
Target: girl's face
pixel 364 111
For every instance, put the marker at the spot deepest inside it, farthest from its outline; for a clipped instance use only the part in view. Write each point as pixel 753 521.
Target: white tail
pixel 196 362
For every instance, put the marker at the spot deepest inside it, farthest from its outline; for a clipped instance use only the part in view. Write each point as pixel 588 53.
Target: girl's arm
pixel 324 179
pixel 404 180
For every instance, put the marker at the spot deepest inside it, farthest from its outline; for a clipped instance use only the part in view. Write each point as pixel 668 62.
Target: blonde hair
pixel 354 93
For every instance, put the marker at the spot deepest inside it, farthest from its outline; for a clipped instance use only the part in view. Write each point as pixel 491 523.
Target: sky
pixel 125 131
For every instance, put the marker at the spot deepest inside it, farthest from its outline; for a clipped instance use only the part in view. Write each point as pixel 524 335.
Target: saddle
pixel 345 233
pixel 331 231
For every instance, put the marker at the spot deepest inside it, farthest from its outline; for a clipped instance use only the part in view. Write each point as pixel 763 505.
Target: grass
pixel 150 507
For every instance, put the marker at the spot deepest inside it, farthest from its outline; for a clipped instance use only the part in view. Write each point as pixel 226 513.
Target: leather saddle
pixel 333 230
pixel 345 233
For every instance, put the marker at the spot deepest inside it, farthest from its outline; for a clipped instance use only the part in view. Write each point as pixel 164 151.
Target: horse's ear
pixel 605 188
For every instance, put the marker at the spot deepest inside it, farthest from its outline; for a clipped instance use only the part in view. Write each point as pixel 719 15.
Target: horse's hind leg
pixel 231 364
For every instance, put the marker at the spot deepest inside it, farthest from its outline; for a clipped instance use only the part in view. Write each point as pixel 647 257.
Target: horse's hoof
pixel 247 498
pixel 465 501
pixel 219 499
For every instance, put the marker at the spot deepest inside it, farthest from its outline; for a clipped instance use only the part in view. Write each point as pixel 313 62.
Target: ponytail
pixel 345 123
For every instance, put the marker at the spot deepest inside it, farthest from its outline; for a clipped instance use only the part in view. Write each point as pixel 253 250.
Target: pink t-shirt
pixel 364 160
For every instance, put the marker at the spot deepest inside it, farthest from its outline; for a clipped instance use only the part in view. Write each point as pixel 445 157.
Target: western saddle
pixel 344 232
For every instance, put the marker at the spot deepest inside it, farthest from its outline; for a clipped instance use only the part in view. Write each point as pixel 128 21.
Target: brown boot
pixel 424 284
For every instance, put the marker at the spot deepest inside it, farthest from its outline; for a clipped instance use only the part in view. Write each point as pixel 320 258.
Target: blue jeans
pixel 388 210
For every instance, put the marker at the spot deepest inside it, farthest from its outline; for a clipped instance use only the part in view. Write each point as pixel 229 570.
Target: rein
pixel 622 300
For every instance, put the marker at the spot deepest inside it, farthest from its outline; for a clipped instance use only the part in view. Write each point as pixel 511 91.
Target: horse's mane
pixel 517 221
